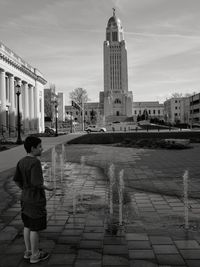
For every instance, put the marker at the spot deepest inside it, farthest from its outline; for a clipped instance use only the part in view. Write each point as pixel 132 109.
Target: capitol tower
pixel 117 100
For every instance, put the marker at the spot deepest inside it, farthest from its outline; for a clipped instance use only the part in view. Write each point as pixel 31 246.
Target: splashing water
pixel 61 168
pixel 120 192
pixel 63 152
pixel 53 177
pixel 74 196
pixel 112 182
pixel 185 198
pixel 82 161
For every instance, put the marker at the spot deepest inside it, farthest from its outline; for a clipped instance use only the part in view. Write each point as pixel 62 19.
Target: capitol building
pixel 116 100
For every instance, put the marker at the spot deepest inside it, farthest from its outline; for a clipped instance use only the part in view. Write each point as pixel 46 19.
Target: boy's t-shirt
pixel 29 178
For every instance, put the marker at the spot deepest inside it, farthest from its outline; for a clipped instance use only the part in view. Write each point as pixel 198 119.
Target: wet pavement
pixel 152 233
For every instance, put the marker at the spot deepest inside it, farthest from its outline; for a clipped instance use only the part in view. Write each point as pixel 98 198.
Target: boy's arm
pixel 48 188
pixel 37 176
pixel 18 177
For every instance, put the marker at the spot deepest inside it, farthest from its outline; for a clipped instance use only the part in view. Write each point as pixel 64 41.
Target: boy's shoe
pixel 40 256
pixel 27 254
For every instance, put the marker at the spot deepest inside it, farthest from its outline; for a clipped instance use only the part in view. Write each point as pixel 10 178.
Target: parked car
pixel 49 130
pixel 95 128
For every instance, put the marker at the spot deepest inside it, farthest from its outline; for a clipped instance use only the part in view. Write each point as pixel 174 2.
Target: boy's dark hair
pixel 31 141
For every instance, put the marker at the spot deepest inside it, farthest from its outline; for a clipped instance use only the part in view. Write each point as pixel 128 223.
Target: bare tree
pixel 187 95
pixel 179 95
pixel 48 105
pixel 79 95
pixel 176 95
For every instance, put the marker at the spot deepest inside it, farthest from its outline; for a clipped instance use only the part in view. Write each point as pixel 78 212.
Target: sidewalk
pixel 10 157
pixel 153 233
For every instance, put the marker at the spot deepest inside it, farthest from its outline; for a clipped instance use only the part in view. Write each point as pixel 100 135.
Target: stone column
pixel 12 112
pixel 3 99
pixel 31 107
pixel 36 108
pixel 42 111
pixel 26 107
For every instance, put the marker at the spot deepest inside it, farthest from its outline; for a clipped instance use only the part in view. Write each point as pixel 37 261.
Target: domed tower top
pixel 114 21
pixel 114 25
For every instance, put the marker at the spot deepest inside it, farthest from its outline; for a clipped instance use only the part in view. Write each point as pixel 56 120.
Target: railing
pixel 3 131
pixel 12 129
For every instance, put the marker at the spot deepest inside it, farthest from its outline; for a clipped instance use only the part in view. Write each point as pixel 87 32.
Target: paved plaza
pixel 153 231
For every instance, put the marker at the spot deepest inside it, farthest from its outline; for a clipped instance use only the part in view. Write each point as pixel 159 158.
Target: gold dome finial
pixel 113 11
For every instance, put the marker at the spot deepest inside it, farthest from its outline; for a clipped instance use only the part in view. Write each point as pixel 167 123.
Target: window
pixel 149 111
pixel 114 36
pixel 175 107
pixel 135 111
pixel 117 113
pixel 154 112
pixel 196 110
pixel 158 111
pixel 117 101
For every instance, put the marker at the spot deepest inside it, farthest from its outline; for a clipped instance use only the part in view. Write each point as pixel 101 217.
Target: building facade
pixel 194 105
pixel 117 100
pixel 15 71
pixel 177 110
pixel 152 109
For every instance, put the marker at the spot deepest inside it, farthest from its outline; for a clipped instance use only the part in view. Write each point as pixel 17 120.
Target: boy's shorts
pixel 36 225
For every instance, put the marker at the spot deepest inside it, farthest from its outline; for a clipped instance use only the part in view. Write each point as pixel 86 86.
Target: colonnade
pixel 28 100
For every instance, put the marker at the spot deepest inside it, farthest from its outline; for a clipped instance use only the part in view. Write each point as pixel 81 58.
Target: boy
pixel 28 176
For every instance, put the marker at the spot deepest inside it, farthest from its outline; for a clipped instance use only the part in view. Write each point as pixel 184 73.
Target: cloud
pixel 64 39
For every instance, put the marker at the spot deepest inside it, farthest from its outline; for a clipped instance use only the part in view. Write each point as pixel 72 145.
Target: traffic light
pixel 76 105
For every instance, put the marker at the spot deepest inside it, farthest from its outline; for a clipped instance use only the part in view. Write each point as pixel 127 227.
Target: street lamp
pixel 19 139
pixel 83 113
pixel 56 114
pixel 71 122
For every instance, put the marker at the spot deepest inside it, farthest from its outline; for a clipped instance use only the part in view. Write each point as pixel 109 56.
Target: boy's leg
pixel 34 239
pixel 37 255
pixel 27 238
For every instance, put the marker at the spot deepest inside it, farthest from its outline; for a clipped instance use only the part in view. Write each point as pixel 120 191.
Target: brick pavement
pixel 152 234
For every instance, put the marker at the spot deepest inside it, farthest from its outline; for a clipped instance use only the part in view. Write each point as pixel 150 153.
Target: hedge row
pixel 113 138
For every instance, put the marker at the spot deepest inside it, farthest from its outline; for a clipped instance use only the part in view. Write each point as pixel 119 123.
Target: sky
pixel 64 40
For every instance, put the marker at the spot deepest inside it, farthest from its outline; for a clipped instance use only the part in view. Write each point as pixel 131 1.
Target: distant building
pixel 117 100
pixel 92 113
pixel 15 71
pixel 176 110
pixel 152 109
pixel 194 104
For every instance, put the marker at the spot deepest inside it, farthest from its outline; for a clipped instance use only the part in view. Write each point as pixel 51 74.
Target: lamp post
pixel 83 113
pixel 56 117
pixel 19 139
pixel 71 122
